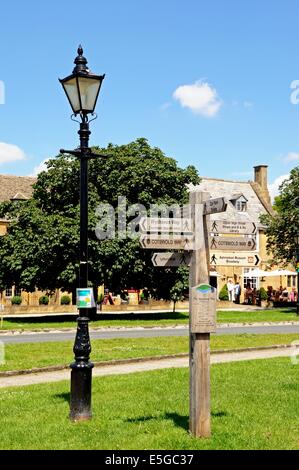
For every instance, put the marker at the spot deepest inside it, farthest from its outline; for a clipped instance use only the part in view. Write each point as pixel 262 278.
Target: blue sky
pixel 207 82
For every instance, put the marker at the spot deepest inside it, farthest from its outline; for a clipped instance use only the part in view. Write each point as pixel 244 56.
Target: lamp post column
pixel 81 375
pixel 82 89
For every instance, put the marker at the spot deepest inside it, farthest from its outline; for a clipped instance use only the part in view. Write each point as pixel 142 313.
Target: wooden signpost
pixel 192 234
pixel 202 315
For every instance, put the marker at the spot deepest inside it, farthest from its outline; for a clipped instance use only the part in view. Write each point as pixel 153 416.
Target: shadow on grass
pixel 66 396
pixel 181 421
pixel 219 414
pixel 143 316
pixel 143 419
pixel 41 320
pixel 156 316
pixel 285 308
pixel 290 386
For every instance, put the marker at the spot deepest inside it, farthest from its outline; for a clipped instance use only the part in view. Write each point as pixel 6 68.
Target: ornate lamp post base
pixel 81 378
pixel 81 374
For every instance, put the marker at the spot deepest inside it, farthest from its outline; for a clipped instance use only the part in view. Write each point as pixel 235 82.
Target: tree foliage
pixel 283 226
pixel 41 248
pixel 223 294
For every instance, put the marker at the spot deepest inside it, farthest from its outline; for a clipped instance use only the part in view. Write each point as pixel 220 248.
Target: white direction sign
pixel 171 259
pixel 160 242
pixel 165 225
pixel 234 259
pixel 233 226
pixel 237 243
pixel 213 206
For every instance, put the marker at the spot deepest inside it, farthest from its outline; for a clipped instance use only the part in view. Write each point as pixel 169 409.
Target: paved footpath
pixel 142 366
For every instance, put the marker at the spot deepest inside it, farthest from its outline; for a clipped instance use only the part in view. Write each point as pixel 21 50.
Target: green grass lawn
pixel 276 315
pixel 254 406
pixel 29 355
pixel 150 320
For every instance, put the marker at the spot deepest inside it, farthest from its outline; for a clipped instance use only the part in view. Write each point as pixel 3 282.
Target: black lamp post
pixel 297 268
pixel 82 89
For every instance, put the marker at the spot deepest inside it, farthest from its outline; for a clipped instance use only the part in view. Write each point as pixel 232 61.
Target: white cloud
pixel 39 168
pixel 10 153
pixel 248 104
pixel 200 97
pixel 274 187
pixel 291 157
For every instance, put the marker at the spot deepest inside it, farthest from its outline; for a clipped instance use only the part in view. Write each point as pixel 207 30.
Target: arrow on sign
pixel 171 259
pixel 237 243
pixel 225 258
pixel 238 227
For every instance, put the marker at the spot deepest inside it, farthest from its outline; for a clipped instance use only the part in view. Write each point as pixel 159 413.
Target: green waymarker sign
pixel 205 289
pixel 85 298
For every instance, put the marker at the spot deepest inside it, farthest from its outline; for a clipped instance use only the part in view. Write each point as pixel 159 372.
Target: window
pixel 253 281
pixel 292 281
pixel 239 202
pixel 18 291
pixel 8 292
pixel 241 206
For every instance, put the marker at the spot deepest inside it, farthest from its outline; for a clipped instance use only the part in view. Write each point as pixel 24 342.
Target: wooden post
pixel 200 412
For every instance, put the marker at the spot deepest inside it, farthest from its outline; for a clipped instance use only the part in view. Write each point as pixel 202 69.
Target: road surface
pixel 142 333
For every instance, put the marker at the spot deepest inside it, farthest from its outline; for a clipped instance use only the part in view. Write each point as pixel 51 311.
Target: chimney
pixel 261 178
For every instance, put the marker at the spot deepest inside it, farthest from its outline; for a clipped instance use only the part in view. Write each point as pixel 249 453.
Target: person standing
pixel 231 290
pixel 237 292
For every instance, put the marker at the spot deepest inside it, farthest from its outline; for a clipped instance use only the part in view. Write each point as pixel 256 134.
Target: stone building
pixel 247 201
pixel 18 188
pixel 14 188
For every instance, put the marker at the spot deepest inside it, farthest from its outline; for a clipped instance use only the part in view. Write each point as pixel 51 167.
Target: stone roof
pixel 256 206
pixel 15 187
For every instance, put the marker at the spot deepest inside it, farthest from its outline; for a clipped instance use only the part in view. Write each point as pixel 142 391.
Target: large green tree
pixel 283 226
pixel 41 247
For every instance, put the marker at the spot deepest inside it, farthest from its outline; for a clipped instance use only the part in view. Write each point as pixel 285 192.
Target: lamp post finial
pixel 81 62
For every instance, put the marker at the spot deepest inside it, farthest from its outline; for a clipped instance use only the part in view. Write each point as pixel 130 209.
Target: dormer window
pixel 239 202
pixel 19 197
